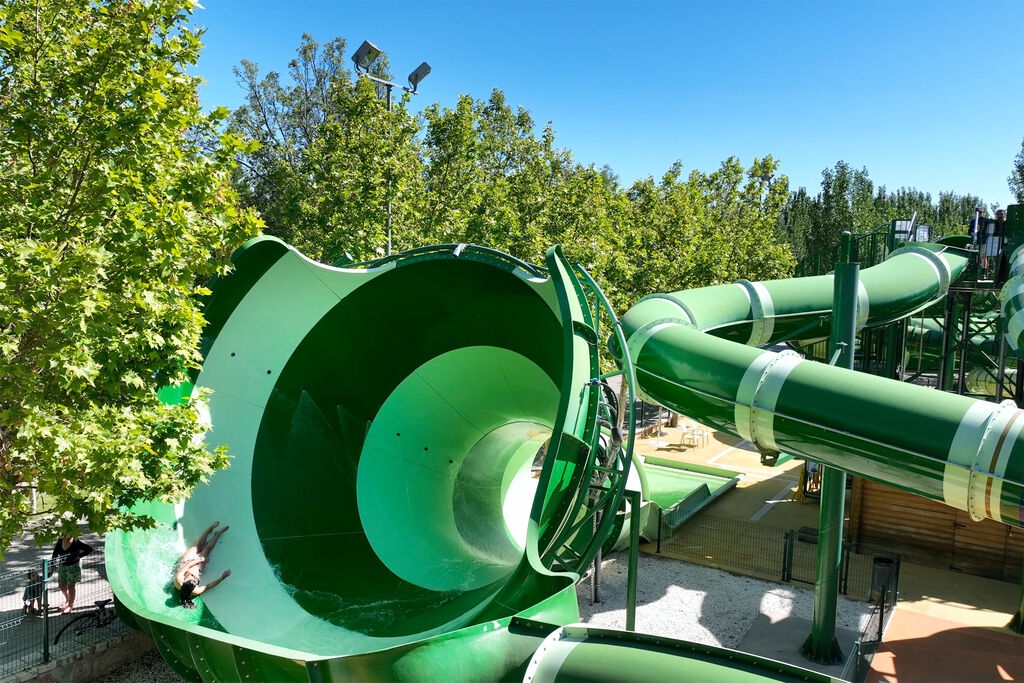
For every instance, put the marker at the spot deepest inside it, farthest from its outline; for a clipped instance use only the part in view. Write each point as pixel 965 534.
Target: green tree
pixel 796 221
pixel 709 229
pixel 111 217
pixel 330 157
pixel 484 172
pixel 848 201
pixel 490 179
pixel 1016 178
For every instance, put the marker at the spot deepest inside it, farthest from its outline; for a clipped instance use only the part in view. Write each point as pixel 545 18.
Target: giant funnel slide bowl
pixel 411 451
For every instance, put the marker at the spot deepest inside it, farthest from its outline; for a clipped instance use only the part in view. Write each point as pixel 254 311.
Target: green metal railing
pixel 869 249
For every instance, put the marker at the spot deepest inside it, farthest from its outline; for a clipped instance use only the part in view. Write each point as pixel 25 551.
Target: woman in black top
pixel 69 550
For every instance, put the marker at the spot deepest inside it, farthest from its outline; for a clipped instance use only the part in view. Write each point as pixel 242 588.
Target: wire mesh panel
pixel 728 544
pixel 20 628
pixel 33 625
pixel 93 619
pixel 777 554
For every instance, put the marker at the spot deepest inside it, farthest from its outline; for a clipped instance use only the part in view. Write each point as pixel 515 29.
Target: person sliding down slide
pixel 191 564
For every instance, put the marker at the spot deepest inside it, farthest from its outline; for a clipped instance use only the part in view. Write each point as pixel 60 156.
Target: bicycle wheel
pixel 71 623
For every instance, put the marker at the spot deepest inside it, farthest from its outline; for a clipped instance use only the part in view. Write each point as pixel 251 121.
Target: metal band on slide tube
pixel 937 262
pixel 978 456
pixel 863 303
pixel 683 308
pixel 757 395
pixel 547 660
pixel 1011 311
pixel 762 312
pixel 640 337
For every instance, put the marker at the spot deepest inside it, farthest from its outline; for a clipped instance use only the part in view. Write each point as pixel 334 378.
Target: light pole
pixel 363 58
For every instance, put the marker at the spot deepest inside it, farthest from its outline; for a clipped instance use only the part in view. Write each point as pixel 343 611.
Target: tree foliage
pixel 1016 178
pixel 330 157
pixel 483 172
pixel 111 215
pixel 849 201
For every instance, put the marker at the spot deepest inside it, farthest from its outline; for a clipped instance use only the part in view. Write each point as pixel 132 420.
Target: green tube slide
pixel 966 453
pixel 924 348
pixel 584 653
pixel 414 447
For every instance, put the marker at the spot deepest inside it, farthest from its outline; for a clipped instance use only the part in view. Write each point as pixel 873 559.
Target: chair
pixel 688 435
pixel 693 434
pixel 703 433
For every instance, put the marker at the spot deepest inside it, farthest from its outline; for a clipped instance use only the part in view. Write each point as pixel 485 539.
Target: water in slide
pixel 419 456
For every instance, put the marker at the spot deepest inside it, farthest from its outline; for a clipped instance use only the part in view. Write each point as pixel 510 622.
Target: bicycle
pixel 97 618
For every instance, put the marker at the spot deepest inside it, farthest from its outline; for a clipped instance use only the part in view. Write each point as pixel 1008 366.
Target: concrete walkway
pixel 918 647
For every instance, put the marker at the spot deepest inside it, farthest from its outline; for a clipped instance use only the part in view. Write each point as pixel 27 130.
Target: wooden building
pixel 932 533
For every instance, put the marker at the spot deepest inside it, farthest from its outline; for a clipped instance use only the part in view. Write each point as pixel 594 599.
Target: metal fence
pixel 858 664
pixel 773 553
pixel 869 249
pixel 33 629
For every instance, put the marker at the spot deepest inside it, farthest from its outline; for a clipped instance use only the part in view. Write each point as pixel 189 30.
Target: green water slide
pixel 417 459
pixel 579 653
pixel 966 453
pixel 421 449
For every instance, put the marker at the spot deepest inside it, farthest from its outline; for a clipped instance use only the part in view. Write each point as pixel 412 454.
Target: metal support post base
pixel 822 651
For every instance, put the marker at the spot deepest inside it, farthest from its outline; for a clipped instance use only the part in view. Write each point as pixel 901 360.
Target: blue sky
pixel 923 94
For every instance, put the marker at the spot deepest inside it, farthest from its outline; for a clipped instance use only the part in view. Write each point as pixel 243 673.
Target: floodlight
pixel 418 75
pixel 367 54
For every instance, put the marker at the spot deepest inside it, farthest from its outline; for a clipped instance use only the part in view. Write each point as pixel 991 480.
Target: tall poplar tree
pixel 1016 179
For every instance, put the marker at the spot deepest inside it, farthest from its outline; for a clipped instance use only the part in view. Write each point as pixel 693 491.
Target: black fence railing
pixel 858 663
pixel 33 628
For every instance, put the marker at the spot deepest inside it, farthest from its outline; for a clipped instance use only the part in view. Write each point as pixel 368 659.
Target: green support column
pixel 950 342
pixel 892 349
pixel 821 646
pixel 634 498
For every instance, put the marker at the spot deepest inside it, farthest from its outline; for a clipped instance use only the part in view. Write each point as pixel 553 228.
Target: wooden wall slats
pixel 931 533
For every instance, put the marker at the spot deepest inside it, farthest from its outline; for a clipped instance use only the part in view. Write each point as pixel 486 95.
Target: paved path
pixel 918 647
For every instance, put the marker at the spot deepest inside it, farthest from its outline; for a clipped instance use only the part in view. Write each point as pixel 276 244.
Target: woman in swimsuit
pixel 191 564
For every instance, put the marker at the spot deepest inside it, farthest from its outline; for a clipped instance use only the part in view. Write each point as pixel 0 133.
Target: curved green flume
pixel 1012 303
pixel 579 652
pixel 405 443
pixel 966 453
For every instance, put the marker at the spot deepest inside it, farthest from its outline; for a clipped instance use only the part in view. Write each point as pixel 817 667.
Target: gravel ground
pixel 700 604
pixel 150 668
pixel 674 599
